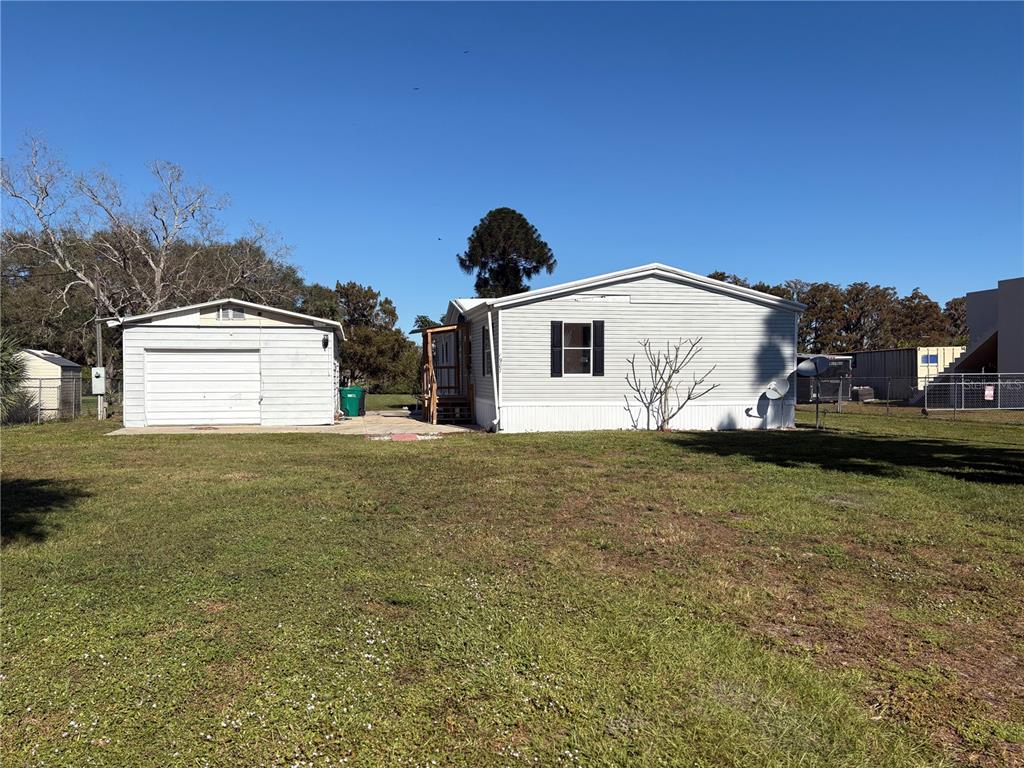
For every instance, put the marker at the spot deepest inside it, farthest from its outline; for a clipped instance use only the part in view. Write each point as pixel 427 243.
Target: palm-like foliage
pixel 12 374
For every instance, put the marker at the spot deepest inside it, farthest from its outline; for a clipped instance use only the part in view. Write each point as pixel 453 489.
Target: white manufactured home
pixel 229 362
pixel 557 358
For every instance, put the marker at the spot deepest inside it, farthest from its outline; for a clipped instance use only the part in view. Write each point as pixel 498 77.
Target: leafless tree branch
pixel 662 398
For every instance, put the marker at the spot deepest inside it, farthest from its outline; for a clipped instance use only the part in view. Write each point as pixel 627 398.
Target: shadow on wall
pixel 771 364
pixel 728 422
pixel 28 509
pixel 870 456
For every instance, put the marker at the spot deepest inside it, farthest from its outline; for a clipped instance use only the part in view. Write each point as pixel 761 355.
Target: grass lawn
pixel 848 598
pixel 389 402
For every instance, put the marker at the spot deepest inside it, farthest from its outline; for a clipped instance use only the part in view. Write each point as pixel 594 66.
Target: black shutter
pixel 483 350
pixel 556 348
pixel 597 364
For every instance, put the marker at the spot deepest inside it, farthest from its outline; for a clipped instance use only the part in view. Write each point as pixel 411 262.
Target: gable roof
pixel 653 269
pixel 315 321
pixel 52 357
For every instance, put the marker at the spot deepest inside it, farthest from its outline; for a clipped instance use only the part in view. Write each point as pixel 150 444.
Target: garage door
pixel 202 386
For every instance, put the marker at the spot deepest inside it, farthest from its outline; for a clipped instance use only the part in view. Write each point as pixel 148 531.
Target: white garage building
pixel 229 362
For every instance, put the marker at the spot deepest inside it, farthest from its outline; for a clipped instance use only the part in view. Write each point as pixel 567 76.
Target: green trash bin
pixel 353 401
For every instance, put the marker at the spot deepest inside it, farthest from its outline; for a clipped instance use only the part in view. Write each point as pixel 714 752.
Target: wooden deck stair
pixel 447 385
pixel 452 410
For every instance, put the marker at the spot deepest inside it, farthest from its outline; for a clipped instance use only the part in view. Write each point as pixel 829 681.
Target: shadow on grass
pixel 27 508
pixel 871 456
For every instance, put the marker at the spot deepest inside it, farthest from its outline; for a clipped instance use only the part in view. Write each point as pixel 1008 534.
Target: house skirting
pixel 575 416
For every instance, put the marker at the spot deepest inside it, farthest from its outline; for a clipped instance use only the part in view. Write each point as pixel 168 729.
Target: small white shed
pixel 229 362
pixel 53 383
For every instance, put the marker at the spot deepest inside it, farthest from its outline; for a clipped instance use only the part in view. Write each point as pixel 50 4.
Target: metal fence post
pixel 39 401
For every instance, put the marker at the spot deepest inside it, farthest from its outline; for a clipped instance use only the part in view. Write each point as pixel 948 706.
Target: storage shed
pixel 53 384
pixel 229 362
pixel 557 358
pixel 902 373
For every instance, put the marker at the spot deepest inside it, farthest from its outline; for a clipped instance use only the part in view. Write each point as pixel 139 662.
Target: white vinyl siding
pixel 483 385
pixel 297 375
pixel 749 344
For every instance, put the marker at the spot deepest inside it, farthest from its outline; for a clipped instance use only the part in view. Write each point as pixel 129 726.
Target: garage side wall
pixel 749 344
pixel 296 374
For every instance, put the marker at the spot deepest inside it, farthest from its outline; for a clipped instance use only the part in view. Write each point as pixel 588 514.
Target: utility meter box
pixel 99 381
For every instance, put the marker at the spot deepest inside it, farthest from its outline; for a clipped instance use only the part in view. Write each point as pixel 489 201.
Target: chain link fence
pixel 984 397
pixel 46 399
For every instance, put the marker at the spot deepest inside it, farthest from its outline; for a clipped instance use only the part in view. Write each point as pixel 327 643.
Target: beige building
pixel 53 385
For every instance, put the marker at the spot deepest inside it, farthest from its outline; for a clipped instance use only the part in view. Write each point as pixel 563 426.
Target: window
pixel 929 359
pixel 576 348
pixel 485 346
pixel 230 313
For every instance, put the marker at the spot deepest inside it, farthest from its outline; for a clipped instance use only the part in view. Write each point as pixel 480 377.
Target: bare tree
pixel 661 398
pixel 133 258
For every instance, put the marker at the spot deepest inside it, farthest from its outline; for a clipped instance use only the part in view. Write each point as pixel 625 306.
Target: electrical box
pixel 99 381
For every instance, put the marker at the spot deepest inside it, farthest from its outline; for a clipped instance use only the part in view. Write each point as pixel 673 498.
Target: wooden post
pixel 431 381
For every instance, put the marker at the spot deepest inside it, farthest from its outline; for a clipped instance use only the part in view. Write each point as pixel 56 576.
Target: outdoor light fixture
pixel 325 341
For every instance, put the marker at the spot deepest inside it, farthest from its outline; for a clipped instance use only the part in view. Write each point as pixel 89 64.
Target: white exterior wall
pixel 750 345
pixel 297 375
pixel 483 386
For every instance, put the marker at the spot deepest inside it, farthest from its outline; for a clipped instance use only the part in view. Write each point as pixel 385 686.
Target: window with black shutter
pixel 598 355
pixel 485 352
pixel 556 348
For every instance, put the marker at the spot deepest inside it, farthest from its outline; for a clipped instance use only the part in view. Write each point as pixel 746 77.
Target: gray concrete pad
pixel 375 423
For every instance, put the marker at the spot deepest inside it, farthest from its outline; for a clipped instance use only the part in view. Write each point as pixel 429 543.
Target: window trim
pixel 565 348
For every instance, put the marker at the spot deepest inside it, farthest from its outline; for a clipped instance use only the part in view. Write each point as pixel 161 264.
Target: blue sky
pixel 829 141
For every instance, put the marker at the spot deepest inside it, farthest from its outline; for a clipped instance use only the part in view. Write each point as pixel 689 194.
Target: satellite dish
pixel 763 404
pixel 813 366
pixel 777 389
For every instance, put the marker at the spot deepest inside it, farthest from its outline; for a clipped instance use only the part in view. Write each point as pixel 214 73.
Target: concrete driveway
pixel 374 423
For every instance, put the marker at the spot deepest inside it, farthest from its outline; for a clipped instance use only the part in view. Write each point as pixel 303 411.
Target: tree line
pixel 864 316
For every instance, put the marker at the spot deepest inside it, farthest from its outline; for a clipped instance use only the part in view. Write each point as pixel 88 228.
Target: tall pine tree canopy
pixel 505 250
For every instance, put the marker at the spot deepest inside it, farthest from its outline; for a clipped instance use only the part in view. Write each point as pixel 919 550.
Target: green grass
pixel 389 402
pixel 897 411
pixel 847 598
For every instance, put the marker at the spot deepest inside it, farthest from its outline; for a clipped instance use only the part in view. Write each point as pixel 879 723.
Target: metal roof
pixel 52 357
pixel 645 270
